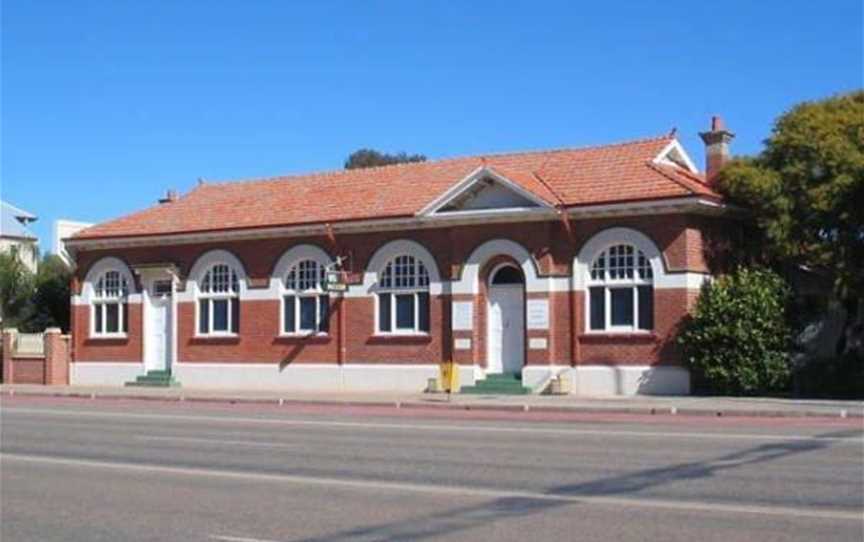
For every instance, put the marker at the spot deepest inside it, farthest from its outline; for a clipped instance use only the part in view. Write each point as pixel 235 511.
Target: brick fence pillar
pixel 56 357
pixel 8 349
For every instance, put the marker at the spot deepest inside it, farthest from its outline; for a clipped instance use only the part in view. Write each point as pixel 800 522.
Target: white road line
pixel 225 538
pixel 252 443
pixel 449 491
pixel 429 427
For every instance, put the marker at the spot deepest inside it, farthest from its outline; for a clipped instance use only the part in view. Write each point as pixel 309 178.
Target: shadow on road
pixel 464 518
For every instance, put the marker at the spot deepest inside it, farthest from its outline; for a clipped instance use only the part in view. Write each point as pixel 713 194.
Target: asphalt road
pixel 113 470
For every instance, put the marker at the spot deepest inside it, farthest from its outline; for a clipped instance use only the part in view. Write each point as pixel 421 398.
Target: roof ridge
pixel 662 169
pixel 403 165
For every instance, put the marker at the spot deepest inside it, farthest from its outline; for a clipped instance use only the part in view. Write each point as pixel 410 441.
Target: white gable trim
pixel 676 147
pixel 479 174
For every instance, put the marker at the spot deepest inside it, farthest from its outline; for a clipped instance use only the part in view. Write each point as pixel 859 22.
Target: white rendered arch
pixel 208 260
pixel 109 263
pixel 295 255
pixel 469 281
pixel 396 248
pixel 619 236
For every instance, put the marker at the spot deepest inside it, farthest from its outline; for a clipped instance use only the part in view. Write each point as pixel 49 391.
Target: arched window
pixel 403 296
pixel 110 310
pixel 218 301
pixel 620 290
pixel 305 305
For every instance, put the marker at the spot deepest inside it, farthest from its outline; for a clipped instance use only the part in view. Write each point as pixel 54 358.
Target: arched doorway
pixel 505 335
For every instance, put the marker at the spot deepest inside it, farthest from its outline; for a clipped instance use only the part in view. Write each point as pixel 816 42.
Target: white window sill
pixel 303 334
pixel 217 335
pixel 108 336
pixel 402 334
pixel 618 331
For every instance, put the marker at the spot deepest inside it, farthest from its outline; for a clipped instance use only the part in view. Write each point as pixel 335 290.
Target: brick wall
pixel 51 367
pixel 679 237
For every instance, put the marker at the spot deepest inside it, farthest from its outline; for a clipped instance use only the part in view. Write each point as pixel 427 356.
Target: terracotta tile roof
pixel 575 177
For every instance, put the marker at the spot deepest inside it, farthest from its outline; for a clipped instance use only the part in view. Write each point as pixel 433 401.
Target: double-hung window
pixel 403 297
pixel 620 291
pixel 305 305
pixel 110 310
pixel 218 301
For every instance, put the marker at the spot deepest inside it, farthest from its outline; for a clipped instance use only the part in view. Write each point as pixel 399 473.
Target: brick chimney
pixel 716 147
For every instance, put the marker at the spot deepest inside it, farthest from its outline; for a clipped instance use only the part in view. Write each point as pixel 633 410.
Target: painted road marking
pixel 225 538
pixel 447 491
pixel 252 443
pixel 430 427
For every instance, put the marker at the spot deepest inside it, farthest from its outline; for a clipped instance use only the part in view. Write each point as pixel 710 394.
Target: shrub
pixel 738 338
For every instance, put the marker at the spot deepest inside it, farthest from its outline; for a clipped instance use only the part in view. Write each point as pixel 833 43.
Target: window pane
pixel 288 308
pixel 405 311
pixel 235 315
pixel 112 318
pixel 203 316
pixel 646 307
pixel 125 307
pixel 598 307
pixel 423 311
pixel 384 312
pixel 308 312
pixel 323 313
pixel 622 306
pixel 97 312
pixel 220 315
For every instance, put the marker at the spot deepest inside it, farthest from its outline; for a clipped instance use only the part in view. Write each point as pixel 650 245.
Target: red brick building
pixel 577 261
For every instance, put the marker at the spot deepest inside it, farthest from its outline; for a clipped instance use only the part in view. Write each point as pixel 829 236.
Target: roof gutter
pixel 690 204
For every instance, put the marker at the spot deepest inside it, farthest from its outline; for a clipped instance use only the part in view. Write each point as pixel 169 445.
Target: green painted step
pixel 498 384
pixel 155 379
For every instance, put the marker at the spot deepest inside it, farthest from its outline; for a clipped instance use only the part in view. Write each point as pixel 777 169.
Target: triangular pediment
pixel 484 190
pixel 488 193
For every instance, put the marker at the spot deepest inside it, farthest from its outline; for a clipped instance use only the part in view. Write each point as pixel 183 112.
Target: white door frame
pixel 149 276
pixel 496 364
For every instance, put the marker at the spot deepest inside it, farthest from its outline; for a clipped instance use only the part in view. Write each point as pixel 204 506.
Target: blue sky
pixel 107 104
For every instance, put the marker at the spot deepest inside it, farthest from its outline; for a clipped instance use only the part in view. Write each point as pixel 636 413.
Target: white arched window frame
pixel 402 297
pixel 110 314
pixel 620 287
pixel 305 302
pixel 218 303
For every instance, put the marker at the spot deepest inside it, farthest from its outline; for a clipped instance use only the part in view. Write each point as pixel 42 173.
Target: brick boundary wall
pixel 50 368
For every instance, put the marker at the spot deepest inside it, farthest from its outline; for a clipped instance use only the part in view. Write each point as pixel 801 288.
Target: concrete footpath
pixel 683 406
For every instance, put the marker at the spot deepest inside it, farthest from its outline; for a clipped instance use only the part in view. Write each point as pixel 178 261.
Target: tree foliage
pixel 364 158
pixel 34 302
pixel 738 337
pixel 51 296
pixel 806 190
pixel 16 289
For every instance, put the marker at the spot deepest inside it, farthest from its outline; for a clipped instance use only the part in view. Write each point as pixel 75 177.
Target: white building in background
pixel 63 229
pixel 16 237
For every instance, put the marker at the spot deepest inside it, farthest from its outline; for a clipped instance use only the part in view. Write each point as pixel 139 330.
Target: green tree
pixel 51 296
pixel 738 337
pixel 364 158
pixel 16 290
pixel 806 192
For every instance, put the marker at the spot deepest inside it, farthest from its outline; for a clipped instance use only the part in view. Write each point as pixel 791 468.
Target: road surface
pixel 93 470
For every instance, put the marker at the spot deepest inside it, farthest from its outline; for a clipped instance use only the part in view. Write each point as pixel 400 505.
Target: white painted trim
pixel 675 146
pixel 478 175
pixel 629 380
pixel 208 260
pixel 469 281
pixel 694 204
pixel 110 263
pixel 313 376
pixel 295 255
pixel 104 373
pixel 388 252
